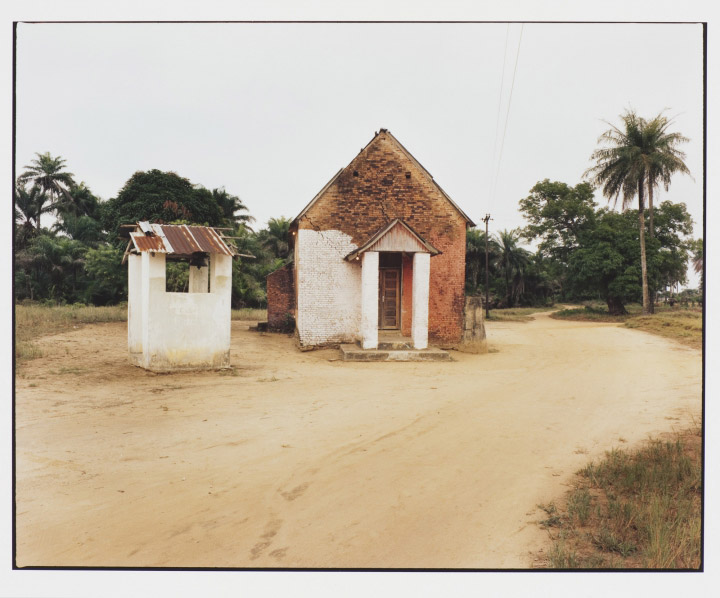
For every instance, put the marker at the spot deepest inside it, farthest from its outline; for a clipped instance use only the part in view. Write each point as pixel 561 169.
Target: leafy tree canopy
pixel 556 214
pixel 593 251
pixel 163 197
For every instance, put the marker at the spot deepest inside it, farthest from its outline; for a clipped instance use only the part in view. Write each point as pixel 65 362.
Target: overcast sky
pixel 272 111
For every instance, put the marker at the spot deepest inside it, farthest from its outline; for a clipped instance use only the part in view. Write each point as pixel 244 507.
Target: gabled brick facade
pixel 383 182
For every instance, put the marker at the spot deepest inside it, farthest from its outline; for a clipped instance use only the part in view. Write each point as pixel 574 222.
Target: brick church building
pixel 380 247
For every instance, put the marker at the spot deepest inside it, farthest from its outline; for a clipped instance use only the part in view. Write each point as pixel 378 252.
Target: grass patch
pixel 634 509
pixel 515 314
pixel 33 321
pixel 681 324
pixel 588 313
pixel 250 314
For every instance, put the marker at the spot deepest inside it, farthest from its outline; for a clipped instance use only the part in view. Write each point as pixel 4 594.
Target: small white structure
pixel 170 330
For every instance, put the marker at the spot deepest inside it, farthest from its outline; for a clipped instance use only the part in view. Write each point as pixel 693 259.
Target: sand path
pixel 300 460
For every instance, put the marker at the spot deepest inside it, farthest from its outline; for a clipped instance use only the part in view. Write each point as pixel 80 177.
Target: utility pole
pixel 487 269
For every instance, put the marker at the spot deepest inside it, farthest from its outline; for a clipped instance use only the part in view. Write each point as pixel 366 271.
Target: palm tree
pixel 475 258
pixel 274 238
pixel 698 261
pixel 662 158
pixel 635 159
pixel 27 204
pixel 46 173
pixel 514 261
pixel 232 208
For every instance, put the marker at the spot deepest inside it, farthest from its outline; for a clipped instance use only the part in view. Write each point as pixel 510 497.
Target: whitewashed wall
pixel 328 288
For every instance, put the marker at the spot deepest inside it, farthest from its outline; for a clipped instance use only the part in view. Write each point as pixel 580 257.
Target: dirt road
pixel 299 460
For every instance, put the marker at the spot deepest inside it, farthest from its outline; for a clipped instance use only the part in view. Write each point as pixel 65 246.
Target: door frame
pixel 398 301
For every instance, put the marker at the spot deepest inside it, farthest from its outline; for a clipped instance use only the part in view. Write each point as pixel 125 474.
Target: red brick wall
pixel 383 183
pixel 447 292
pixel 280 297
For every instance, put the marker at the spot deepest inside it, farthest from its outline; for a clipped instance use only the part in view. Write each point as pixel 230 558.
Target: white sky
pixel 271 112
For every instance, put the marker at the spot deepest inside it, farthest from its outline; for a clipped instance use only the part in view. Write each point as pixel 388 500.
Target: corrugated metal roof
pixel 180 240
pixel 143 242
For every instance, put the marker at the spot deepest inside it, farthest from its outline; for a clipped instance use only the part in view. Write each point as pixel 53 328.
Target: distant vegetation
pixel 583 252
pixel 78 259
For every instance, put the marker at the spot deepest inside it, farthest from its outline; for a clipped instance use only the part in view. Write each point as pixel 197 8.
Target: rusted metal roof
pixel 146 243
pixel 178 239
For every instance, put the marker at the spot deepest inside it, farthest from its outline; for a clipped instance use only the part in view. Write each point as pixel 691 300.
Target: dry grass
pixel 33 321
pixel 635 509
pixel 684 325
pixel 515 314
pixel 589 313
pixel 250 314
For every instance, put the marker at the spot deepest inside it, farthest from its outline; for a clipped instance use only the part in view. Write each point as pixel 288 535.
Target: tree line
pixel 78 259
pixel 583 250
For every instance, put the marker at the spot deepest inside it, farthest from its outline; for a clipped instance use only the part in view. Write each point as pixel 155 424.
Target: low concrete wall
pixel 473 338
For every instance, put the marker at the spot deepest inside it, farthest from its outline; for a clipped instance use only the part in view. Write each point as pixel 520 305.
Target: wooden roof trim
pixel 385 230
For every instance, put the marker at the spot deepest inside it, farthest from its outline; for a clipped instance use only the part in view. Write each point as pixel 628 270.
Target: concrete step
pixel 355 353
pixel 394 345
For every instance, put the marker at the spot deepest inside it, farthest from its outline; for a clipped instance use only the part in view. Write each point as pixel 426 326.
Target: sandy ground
pixel 300 460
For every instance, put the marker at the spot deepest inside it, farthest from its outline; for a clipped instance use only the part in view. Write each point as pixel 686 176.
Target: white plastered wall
pixel 369 295
pixel 420 299
pixel 328 288
pixel 168 331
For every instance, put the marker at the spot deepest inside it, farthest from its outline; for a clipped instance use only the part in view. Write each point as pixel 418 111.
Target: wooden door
pixel 389 299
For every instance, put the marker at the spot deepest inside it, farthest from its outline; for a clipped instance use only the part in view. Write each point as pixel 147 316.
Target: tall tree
pixel 662 158
pixel 159 196
pixel 513 261
pixel 475 259
pixel 274 238
pixel 234 211
pixel 698 261
pixel 557 213
pixel 622 167
pixel 28 204
pixel 48 174
pixel 79 218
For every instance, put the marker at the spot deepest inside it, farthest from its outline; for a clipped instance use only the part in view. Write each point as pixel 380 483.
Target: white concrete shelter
pixel 172 330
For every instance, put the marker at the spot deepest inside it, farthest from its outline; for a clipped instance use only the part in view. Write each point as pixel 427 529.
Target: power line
pixel 497 118
pixel 507 116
